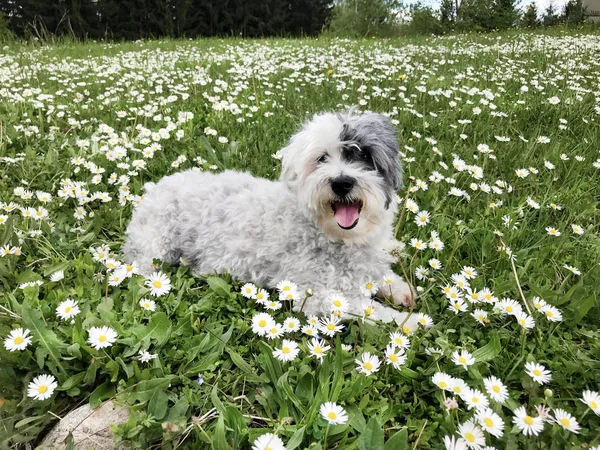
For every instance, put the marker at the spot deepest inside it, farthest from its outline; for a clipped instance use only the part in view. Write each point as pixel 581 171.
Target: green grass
pixel 202 328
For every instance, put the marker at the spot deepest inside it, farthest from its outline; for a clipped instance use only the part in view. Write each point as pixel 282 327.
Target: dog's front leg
pixel 398 291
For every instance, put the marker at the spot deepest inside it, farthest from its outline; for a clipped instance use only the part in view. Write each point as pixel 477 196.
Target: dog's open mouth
pixel 346 214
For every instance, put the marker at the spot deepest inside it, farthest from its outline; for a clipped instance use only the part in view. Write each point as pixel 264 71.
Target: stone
pixel 90 428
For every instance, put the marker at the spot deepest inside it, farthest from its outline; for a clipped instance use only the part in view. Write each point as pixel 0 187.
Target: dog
pixel 324 224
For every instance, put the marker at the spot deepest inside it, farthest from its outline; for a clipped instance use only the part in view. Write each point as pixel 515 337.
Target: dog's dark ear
pixel 383 140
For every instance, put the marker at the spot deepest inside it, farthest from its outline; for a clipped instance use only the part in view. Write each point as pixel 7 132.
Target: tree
pixel 363 18
pixel 447 14
pixel 550 17
pixel 530 16
pixel 574 12
pixel 505 14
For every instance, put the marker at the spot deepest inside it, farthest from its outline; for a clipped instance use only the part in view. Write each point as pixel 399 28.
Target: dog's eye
pixel 322 159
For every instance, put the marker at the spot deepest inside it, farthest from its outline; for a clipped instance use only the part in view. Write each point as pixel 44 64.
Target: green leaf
pixel 72 381
pixel 244 366
pixel 47 339
pixel 144 390
pixel 372 436
pixel 219 286
pixel 296 439
pixel 157 406
pixel 219 441
pixel 48 270
pixel 398 441
pixel 159 328
pixel 102 392
pixel 490 350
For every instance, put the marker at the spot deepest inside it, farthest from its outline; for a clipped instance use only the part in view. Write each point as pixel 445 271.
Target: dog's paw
pixel 402 294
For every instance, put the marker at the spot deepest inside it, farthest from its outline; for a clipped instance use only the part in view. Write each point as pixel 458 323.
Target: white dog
pixel 324 225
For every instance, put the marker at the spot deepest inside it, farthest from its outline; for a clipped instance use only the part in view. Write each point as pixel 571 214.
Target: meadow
pixel 500 140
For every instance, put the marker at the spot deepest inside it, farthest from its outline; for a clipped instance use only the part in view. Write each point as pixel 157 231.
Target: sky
pixel 541 4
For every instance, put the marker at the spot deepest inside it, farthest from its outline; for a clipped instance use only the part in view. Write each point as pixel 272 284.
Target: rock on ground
pixel 90 428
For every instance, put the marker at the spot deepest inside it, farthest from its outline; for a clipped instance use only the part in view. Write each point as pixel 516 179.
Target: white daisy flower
pixel 288 351
pixel 275 331
pixel 333 413
pixel 592 399
pixel 553 314
pixel 261 323
pixel 367 364
pixel 464 359
pixel 394 357
pixel 442 380
pixel 474 398
pixel 57 276
pixel 18 339
pixel 490 422
pixel 318 348
pixel 369 288
pixel 566 420
pixel 42 387
pixel 268 441
pixel 286 285
pixel 538 372
pixel 527 424
pixel 472 435
pixel 159 284
pixel 101 337
pixel 399 340
pixel 329 326
pixel 67 309
pixel 290 325
pixel 249 290
pixel 495 389
pixel 148 305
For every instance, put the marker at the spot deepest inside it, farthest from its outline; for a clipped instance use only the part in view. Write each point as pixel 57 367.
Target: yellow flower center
pixel 337 303
pixel 260 296
pixel 287 288
pixel 537 373
pixel 462 360
pixel 19 340
pixel 489 422
pixel 496 389
pixel 593 405
pixel 457 389
pixel 285 350
pixel 157 284
pixel 470 437
pixel 273 330
pixel 528 420
pixel 565 422
pixel 42 389
pixel 369 286
pixel 393 357
pixel 398 341
pixel 102 338
pixel 262 323
pixel 405 329
pixel 318 350
pixel 368 366
pixel 443 384
pixel 549 313
pixel 309 332
pixel 330 326
pixel 68 309
pixel 332 415
pixel 509 309
pixel 147 305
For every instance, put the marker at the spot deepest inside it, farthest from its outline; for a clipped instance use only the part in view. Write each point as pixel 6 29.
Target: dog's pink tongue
pixel 345 215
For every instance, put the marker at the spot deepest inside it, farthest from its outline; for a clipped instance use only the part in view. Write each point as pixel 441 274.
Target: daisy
pixel 527 424
pixel 67 309
pixel 291 324
pixel 18 339
pixel 268 441
pixel 539 303
pixel 42 387
pixel 399 340
pixel 418 244
pixel 388 278
pixel 288 351
pixel 464 358
pixel 458 386
pixel 509 306
pixel 337 303
pixel 261 323
pixel 369 288
pixel 333 413
pixel 577 229
pixel 474 398
pixel 422 218
pixel 460 281
pixel 310 330
pixel 275 331
pixel 442 380
pixel 552 231
pixel 272 305
pixel 367 363
pixel 574 270
pixel 451 443
pixel 331 325
pixel 538 372
pixel 57 276
pixel 490 422
pixel 317 348
pixel 592 399
pixel 261 296
pixel 525 320
pixel 394 357
pixel 286 285
pixel 148 305
pixel 159 284
pixel 146 356
pixel 495 389
pixel 289 295
pixel 435 264
pixel 249 290
pixel 480 316
pixel 450 404
pixel 566 420
pixel 101 337
pixel 469 272
pixel 424 320
pixel 472 434
pixel 457 306
pixel 552 313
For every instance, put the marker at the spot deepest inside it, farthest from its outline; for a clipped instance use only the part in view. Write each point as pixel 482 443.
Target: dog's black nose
pixel 342 185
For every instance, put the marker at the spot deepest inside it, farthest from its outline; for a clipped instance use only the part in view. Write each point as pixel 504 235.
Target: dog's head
pixel 345 170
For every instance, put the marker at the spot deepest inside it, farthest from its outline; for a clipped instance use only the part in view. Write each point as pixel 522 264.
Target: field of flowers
pixel 500 138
